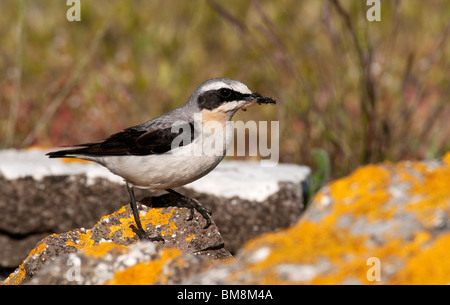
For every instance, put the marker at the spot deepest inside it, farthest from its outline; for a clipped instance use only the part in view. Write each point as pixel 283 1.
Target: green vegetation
pixel 359 91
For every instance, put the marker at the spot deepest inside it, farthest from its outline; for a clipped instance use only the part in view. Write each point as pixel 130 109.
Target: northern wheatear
pixel 145 157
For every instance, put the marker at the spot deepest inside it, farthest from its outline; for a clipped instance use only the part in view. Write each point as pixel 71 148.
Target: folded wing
pixel 131 141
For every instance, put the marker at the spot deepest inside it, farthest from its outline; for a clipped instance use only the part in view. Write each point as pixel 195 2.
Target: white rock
pixel 243 179
pixel 248 180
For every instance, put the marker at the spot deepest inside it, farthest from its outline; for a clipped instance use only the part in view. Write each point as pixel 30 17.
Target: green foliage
pixel 322 173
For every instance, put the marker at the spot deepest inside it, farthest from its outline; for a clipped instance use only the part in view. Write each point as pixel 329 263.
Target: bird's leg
pixel 193 204
pixel 139 230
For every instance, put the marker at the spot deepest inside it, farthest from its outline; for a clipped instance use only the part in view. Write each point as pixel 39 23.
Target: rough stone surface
pixel 383 224
pixel 32 209
pixel 96 265
pixel 239 220
pixel 38 197
pixel 113 234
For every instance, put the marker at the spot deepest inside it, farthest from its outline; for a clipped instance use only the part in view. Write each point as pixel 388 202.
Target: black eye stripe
pixel 231 95
pixel 214 98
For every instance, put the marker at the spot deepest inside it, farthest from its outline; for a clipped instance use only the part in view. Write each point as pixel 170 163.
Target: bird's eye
pixel 225 92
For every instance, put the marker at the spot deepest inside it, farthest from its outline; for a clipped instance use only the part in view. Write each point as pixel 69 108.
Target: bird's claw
pixel 143 236
pixel 193 204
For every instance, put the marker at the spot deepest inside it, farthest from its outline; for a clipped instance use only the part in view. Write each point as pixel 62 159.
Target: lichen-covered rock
pixel 32 209
pixel 108 243
pixel 97 264
pixel 383 224
pixel 386 224
pixel 40 196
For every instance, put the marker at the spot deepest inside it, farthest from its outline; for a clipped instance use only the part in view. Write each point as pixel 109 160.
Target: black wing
pixel 131 141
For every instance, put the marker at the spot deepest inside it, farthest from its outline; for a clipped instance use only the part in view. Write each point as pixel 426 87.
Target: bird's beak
pixel 254 98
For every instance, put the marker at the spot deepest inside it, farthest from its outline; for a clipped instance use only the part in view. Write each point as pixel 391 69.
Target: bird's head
pixel 224 96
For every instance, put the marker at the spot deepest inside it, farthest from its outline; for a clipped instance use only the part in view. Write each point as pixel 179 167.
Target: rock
pixel 32 209
pixel 108 245
pixel 383 224
pixel 240 220
pixel 110 263
pixel 98 264
pixel 41 196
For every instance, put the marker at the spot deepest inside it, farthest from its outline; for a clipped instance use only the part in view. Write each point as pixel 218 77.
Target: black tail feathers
pixel 68 153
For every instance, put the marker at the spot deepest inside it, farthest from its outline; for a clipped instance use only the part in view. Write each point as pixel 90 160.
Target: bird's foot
pixel 193 204
pixel 143 236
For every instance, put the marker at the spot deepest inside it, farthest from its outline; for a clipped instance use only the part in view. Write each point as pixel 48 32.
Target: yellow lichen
pixel 362 194
pixel 154 217
pixel 429 266
pixel 433 193
pixel 84 240
pixel 305 243
pixel 420 259
pixel 124 227
pixel 113 230
pixel 146 272
pixel 39 249
pixel 17 278
pixel 446 158
pixel 308 243
pixel 102 248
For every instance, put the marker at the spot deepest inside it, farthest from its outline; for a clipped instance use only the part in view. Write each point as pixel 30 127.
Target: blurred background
pixel 349 91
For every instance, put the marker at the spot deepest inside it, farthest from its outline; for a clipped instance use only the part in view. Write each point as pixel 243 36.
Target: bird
pixel 170 150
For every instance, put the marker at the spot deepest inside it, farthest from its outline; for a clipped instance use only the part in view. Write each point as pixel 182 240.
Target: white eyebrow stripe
pixel 239 87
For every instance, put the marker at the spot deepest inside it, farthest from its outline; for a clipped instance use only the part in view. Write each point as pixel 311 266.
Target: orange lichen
pixel 362 180
pixel 309 243
pixel 40 248
pixel 101 249
pixel 125 223
pixel 144 273
pixel 154 217
pixel 362 194
pixel 433 193
pixel 17 278
pixel 446 158
pixel 84 240
pixel 332 248
pixel 429 266
pixel 305 243
pixel 422 258
pixel 428 188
